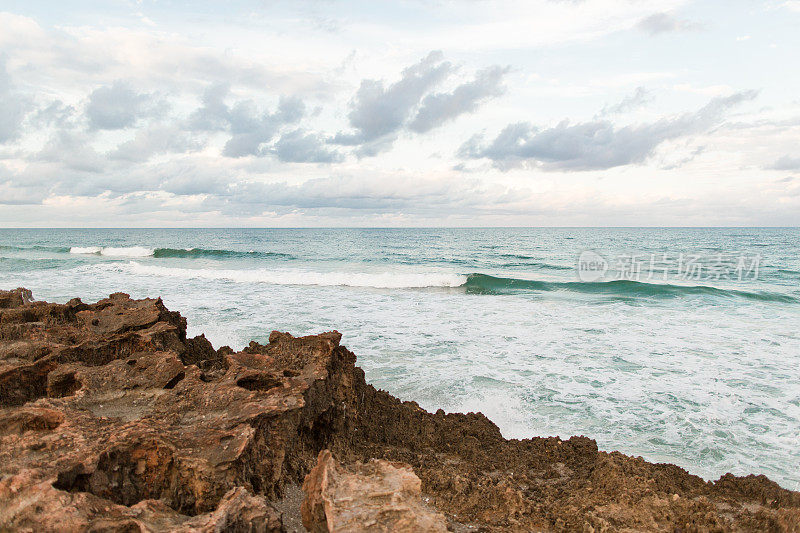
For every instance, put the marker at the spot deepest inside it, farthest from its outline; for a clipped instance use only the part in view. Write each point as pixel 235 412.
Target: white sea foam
pixel 85 249
pixel 122 251
pixel 381 280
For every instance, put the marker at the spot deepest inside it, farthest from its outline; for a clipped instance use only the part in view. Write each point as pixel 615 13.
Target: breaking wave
pixel 475 283
pixel 485 284
pixel 123 251
pixel 380 280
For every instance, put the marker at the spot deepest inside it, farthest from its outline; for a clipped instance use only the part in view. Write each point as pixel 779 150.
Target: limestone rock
pixel 378 496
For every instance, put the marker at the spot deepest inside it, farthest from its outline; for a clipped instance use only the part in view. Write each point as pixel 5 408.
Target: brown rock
pixel 378 496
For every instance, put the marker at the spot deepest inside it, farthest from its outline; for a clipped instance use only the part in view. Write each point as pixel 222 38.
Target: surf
pixel 113 251
pixel 378 280
pixel 478 283
pixel 201 253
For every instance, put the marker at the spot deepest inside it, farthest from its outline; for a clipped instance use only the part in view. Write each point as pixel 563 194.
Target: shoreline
pixel 110 415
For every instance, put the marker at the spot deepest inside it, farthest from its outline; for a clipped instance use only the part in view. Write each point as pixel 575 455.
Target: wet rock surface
pixel 111 419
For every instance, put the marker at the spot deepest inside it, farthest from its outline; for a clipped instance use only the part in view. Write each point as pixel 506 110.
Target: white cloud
pixel 119 106
pixel 658 23
pixel 327 113
pixel 13 106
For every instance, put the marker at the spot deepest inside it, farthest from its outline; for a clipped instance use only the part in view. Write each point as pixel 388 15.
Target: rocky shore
pixel 111 419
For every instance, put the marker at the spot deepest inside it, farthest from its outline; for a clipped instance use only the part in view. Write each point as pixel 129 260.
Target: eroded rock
pixel 378 496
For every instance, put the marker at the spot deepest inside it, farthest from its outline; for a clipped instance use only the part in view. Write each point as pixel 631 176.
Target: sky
pixel 121 113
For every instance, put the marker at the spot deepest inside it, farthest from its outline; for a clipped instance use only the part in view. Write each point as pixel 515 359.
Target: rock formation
pixel 111 419
pixel 373 497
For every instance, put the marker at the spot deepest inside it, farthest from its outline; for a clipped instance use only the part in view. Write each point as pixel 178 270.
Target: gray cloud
pixel 249 127
pixel 13 106
pixel 639 97
pixel 377 113
pixel 156 140
pixel 596 144
pixel 72 151
pixel 439 108
pixel 118 106
pixel 664 23
pixel 352 194
pixel 214 114
pixel 56 113
pixel 13 194
pixel 300 146
pixel 786 163
pixel 250 131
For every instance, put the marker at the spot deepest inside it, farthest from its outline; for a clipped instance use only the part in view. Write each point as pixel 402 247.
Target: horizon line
pixel 374 227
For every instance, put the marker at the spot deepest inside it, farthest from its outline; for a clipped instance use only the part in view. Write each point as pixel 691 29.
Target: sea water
pixel 678 345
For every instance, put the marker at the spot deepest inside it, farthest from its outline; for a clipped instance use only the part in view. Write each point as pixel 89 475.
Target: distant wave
pixel 186 253
pixel 211 253
pixel 522 260
pixel 380 280
pixel 36 263
pixel 55 249
pixel 485 284
pixel 123 251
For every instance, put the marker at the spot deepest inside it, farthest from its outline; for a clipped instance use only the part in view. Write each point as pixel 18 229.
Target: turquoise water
pixel 692 357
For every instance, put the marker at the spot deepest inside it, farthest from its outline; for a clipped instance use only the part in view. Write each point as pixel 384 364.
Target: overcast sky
pixel 412 113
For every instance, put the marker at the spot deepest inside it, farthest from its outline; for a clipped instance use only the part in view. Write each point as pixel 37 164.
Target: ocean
pixel 679 345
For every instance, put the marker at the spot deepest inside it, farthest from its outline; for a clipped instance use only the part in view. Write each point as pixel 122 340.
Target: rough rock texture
pixel 378 496
pixel 111 419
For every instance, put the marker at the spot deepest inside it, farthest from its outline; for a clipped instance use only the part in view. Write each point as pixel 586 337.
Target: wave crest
pixel 378 280
pixel 122 251
pixel 484 284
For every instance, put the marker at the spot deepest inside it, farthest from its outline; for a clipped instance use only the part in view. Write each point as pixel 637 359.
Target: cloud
pixel 73 151
pixel 786 163
pixel 250 130
pixel 594 145
pixel 118 106
pixel 378 113
pixel 56 113
pixel 14 194
pixel 155 140
pixel 300 146
pixel 353 194
pixel 85 115
pixel 440 108
pixel 214 114
pixel 639 97
pixel 13 106
pixel 658 23
pixel 249 127
pixel 93 55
